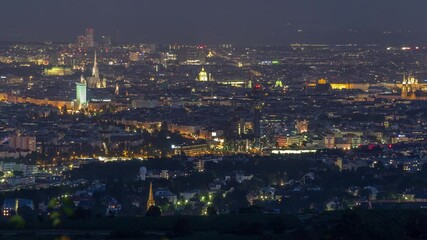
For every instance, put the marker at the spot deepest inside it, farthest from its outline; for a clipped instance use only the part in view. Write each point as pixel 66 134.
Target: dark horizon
pixel 201 21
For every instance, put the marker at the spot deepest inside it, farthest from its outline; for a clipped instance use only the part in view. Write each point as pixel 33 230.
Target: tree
pixel 254 209
pixel 82 213
pixel 247 228
pixel 153 211
pixel 182 227
pixel 18 173
pixel 211 211
pixel 277 225
pixel 416 226
pixel 365 193
pixel 26 213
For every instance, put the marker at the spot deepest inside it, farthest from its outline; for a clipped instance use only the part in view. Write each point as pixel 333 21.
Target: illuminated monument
pixel 95 81
pixel 81 99
pixel 409 87
pixel 150 201
pixel 278 85
pixel 58 71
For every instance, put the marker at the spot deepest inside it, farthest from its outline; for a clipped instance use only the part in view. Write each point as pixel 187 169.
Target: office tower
pixel 240 127
pixel 81 42
pixel 257 105
pixel 106 41
pixel 90 38
pixel 256 121
pixel 192 55
pixel 134 56
pixel 81 98
pixel 142 173
pixel 23 143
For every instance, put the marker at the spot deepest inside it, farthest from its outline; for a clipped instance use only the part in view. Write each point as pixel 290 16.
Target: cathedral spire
pixel 150 201
pixel 95 70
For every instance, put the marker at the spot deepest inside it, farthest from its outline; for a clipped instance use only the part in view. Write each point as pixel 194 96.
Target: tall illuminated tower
pixel 95 69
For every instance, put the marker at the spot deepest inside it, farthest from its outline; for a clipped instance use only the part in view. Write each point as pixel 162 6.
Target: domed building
pixel 203 76
pixel 323 85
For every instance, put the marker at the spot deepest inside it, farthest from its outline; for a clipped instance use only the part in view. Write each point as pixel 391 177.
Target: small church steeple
pixel 150 201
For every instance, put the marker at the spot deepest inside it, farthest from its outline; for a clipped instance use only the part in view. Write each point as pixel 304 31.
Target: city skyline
pixel 191 21
pixel 227 119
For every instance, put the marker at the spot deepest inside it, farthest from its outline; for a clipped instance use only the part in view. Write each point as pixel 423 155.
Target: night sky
pixel 216 21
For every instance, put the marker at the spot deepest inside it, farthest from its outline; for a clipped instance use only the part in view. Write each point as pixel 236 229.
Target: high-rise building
pixel 90 38
pixel 106 41
pixel 81 42
pixel 134 56
pixel 257 119
pixel 81 91
pixel 23 143
pixel 256 124
pixel 142 173
pixel 239 127
pixel 192 55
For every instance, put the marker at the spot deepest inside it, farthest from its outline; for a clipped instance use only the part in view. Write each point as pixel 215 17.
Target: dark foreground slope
pixel 360 224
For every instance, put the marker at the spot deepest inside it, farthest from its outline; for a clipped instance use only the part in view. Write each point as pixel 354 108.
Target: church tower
pixel 404 93
pixel 409 87
pixel 104 82
pixel 150 201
